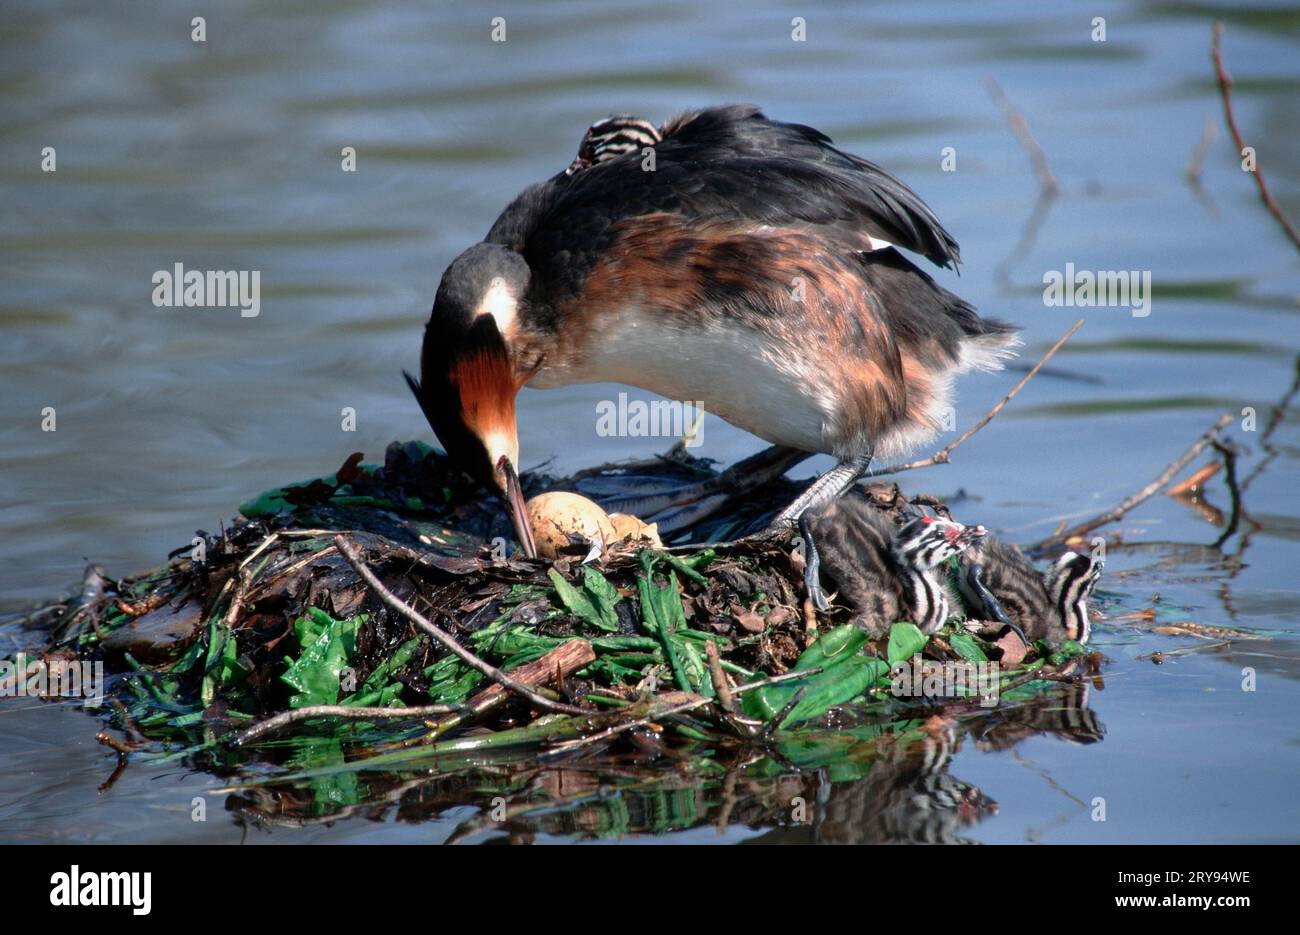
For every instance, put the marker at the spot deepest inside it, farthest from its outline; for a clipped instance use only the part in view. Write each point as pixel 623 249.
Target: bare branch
pixel 1150 490
pixel 273 724
pixel 942 455
pixel 349 552
pixel 1225 88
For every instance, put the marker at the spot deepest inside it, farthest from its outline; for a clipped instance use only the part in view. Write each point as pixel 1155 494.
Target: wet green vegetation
pixel 700 657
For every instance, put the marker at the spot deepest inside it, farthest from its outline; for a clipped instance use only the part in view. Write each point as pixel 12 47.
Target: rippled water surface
pixel 226 155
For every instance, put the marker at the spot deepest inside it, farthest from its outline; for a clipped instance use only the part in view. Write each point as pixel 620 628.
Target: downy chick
pixel 885 573
pixel 1001 584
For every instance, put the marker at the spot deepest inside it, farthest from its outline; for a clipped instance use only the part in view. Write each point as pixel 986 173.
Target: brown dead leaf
pixel 780 614
pixel 1013 649
pixel 751 621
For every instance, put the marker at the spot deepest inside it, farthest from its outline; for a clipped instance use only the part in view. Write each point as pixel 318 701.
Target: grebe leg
pixel 824 489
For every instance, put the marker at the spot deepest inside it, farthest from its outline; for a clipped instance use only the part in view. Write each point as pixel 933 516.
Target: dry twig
pixel 1225 87
pixel 123 747
pixel 1020 127
pixel 942 455
pixel 349 552
pixel 567 746
pixel 1150 490
pixel 560 662
pixel 1193 171
pixel 273 724
pixel 720 684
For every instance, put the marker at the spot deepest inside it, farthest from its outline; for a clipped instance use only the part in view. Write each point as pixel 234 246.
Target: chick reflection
pixel 909 799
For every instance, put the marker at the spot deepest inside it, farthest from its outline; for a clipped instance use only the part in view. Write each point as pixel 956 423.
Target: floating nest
pixel 268 631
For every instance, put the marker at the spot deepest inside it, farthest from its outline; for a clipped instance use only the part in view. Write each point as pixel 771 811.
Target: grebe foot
pixel 812 566
pixel 975 578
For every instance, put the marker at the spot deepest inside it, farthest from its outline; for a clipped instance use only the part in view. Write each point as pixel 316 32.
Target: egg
pixel 558 515
pixel 627 526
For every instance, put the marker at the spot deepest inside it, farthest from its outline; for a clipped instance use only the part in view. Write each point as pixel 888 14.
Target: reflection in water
pixel 1233 562
pixel 878 787
pixel 907 799
pixel 1065 715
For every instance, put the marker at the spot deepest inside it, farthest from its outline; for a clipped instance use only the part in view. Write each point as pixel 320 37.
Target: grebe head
pixel 927 542
pixel 1070 583
pixel 613 137
pixel 468 383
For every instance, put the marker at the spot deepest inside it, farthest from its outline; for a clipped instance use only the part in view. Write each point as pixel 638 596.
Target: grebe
pixel 749 265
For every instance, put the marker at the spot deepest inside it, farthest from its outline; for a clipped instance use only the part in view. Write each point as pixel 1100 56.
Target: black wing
pixel 727 164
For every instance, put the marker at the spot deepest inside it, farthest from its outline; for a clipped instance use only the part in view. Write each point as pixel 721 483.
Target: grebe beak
pixel 967 534
pixel 514 497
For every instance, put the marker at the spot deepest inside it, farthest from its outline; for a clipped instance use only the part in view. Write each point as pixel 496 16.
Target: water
pixel 226 155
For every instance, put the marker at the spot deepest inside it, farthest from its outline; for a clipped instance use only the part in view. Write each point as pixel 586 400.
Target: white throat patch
pixel 500 303
pixel 500 444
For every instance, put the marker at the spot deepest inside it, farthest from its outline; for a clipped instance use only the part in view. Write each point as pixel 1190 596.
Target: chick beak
pixel 514 497
pixel 970 534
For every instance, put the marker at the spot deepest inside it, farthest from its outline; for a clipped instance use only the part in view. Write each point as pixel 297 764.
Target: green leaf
pixel 846 672
pixel 603 595
pixel 662 614
pixel 187 661
pixel 686 569
pixel 618 644
pixel 834 647
pixel 451 681
pixel 327 646
pixel 394 663
pixel 594 603
pixel 905 641
pixel 1072 648
pixel 377 690
pixel 505 642
pixel 612 669
pixel 964 645
pixel 219 636
pixel 841 684
pixel 697 671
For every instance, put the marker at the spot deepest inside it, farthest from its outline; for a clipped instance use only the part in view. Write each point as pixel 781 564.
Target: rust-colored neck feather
pixel 487 386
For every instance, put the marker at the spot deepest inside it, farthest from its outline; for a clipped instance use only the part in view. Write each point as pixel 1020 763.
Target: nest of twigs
pixel 373 596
